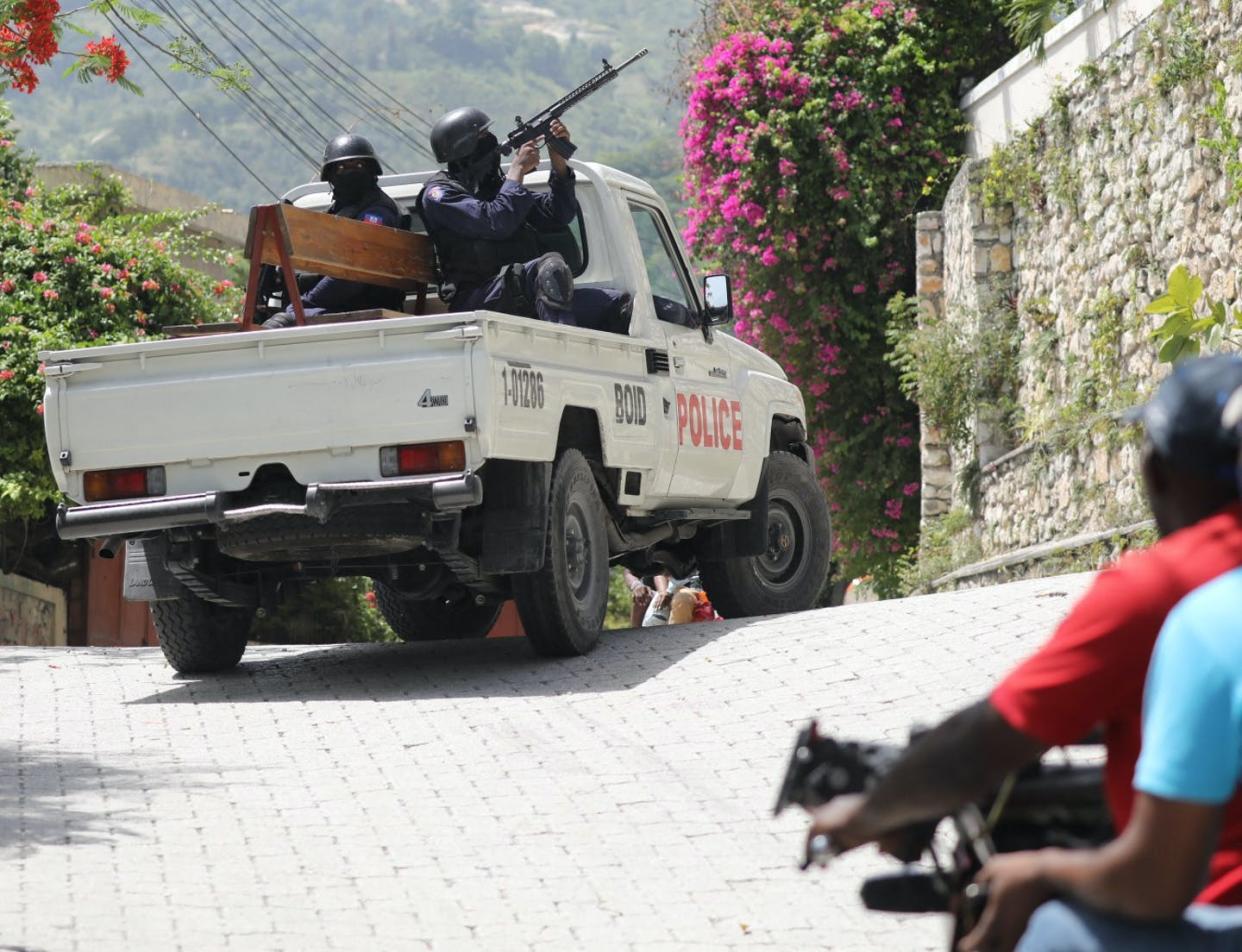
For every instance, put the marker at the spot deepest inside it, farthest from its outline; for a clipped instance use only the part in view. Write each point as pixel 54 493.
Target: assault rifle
pixel 540 125
pixel 1046 804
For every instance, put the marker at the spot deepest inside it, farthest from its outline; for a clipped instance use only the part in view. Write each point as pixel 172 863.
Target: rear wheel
pixel 200 637
pixel 435 619
pixel 790 574
pixel 562 605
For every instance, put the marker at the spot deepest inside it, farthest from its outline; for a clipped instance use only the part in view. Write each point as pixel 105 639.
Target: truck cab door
pixel 703 411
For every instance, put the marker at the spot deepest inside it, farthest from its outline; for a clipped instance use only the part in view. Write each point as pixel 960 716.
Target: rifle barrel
pixel 526 130
pixel 605 75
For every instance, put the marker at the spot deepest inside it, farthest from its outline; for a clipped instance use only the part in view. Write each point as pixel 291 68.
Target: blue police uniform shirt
pixel 1192 707
pixel 452 208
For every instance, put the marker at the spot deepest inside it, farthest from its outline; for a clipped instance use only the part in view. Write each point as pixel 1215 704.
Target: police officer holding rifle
pixel 500 245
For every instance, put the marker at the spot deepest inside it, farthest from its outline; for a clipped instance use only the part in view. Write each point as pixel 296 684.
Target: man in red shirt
pixel 1091 672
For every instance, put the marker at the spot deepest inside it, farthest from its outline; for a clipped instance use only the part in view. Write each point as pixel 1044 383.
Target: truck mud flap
pixel 515 516
pixel 147 578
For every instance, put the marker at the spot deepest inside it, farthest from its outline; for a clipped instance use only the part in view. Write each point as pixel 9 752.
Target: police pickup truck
pixel 457 459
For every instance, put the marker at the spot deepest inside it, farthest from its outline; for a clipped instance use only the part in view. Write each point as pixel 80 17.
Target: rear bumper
pixel 130 517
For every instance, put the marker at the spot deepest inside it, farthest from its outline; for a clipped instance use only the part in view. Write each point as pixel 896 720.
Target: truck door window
pixel 672 302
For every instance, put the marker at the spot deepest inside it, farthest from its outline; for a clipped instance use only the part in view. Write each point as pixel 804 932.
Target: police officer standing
pixel 352 169
pixel 496 240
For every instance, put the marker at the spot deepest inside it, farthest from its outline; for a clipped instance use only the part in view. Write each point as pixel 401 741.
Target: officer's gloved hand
pixel 277 321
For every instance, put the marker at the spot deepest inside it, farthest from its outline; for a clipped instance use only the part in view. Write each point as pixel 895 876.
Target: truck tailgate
pixel 213 409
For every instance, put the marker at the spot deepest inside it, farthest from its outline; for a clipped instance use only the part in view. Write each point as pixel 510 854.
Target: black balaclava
pixel 349 187
pixel 480 171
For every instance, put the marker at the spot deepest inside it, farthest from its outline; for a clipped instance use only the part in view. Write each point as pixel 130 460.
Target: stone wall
pixel 30 613
pixel 1081 219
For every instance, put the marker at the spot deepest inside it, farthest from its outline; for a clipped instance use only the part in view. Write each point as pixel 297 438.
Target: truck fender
pixel 515 516
pixel 789 434
pixel 147 578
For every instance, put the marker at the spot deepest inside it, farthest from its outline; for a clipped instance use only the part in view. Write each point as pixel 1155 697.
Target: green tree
pixel 1029 20
pixel 816 129
pixel 77 271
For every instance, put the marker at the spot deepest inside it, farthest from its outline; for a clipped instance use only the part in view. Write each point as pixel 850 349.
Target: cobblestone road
pixel 466 795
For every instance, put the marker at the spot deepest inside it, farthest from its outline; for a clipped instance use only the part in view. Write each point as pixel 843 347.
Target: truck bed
pixel 325 396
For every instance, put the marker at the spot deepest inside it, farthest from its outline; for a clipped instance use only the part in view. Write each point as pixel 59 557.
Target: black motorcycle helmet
pixel 345 147
pixel 456 134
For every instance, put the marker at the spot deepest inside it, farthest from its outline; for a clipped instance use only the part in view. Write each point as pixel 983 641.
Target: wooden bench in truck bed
pixel 295 239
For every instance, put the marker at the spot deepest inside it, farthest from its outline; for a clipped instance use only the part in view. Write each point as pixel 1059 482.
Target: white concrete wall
pixel 1006 102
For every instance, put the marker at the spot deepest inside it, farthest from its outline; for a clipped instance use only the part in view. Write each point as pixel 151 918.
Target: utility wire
pixel 348 66
pixel 366 103
pixel 333 122
pixel 308 128
pixel 201 121
pixel 258 109
pixel 357 91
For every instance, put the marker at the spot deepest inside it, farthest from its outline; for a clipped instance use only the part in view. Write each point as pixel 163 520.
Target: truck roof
pixel 403 187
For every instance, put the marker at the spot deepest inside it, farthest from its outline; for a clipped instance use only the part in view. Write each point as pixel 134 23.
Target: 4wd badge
pixel 429 399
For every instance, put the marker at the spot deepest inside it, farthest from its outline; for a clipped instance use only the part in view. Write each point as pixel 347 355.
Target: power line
pixel 239 97
pixel 252 97
pixel 357 92
pixel 368 104
pixel 279 99
pixel 349 67
pixel 201 121
pixel 281 96
pixel 279 105
pixel 332 120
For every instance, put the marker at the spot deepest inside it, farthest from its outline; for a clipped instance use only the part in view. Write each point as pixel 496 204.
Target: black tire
pixel 789 576
pixel 356 533
pixel 436 619
pixel 198 637
pixel 562 605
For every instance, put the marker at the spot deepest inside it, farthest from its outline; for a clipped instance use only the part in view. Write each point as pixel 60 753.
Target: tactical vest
pixel 472 261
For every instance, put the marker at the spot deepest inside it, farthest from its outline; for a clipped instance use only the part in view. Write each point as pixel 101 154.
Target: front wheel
pixel 562 605
pixel 198 636
pixel 435 619
pixel 789 575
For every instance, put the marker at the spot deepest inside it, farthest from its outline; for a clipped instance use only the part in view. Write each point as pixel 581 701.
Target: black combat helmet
pixel 456 133
pixel 345 147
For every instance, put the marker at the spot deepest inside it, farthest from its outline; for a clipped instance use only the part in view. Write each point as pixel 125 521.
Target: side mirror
pixel 718 297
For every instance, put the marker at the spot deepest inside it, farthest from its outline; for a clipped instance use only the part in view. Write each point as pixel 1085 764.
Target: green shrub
pixel 76 271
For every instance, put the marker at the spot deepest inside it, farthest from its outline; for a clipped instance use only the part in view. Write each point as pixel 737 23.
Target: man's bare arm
pixel 962 759
pixel 1152 871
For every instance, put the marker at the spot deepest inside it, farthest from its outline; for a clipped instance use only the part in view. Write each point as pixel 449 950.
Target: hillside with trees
pixel 509 58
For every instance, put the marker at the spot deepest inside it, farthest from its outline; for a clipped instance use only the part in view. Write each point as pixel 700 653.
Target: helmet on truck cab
pixel 456 134
pixel 346 147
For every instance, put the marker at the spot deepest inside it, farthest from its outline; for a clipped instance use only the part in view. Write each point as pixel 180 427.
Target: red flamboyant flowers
pixel 117 59
pixel 28 39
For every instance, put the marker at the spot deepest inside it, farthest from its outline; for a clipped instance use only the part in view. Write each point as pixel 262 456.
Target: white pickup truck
pixel 457 459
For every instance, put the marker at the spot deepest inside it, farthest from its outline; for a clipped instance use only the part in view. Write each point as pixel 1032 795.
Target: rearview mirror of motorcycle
pixel 718 298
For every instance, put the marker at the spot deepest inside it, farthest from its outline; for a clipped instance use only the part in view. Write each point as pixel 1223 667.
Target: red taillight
pixel 417 459
pixel 104 484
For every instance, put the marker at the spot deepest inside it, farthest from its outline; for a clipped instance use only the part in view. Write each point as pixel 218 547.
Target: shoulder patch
pixel 373 218
pixel 435 193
